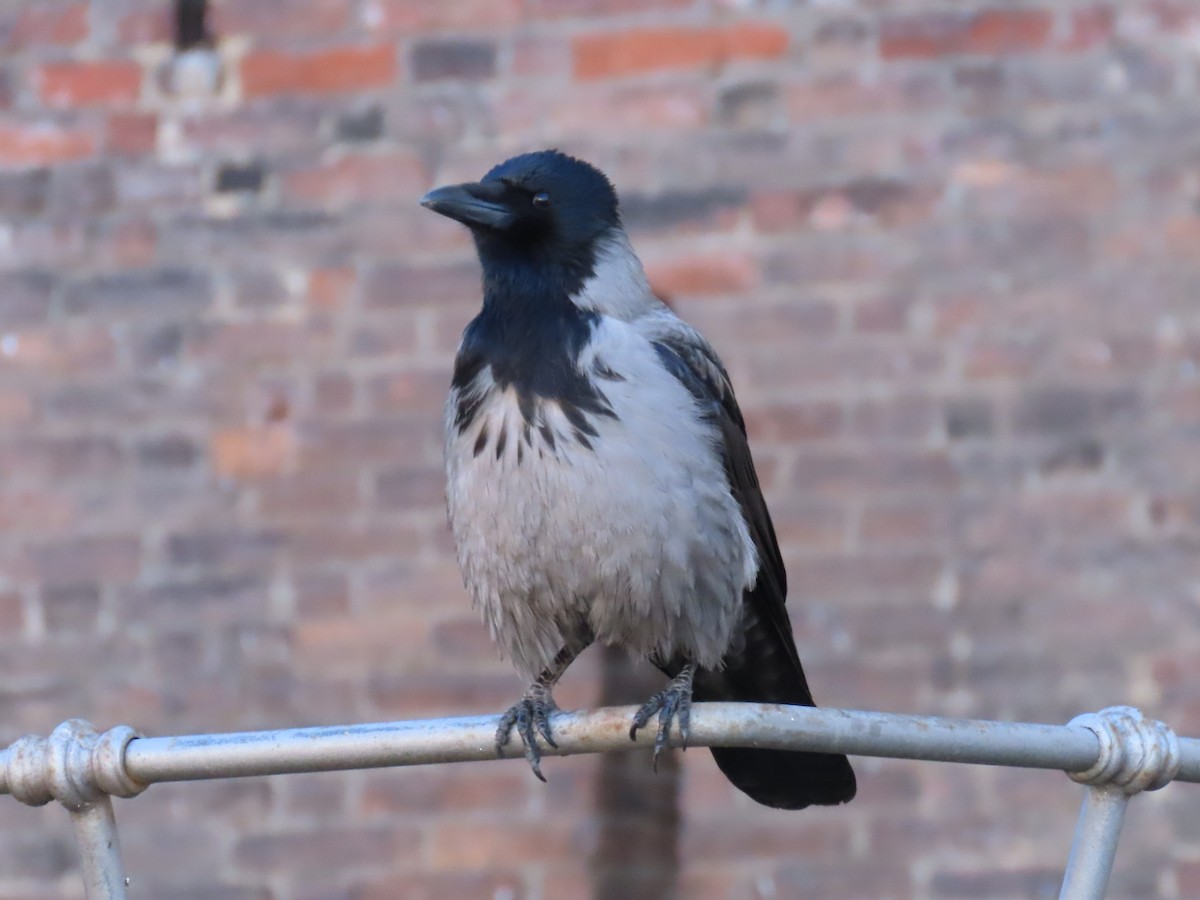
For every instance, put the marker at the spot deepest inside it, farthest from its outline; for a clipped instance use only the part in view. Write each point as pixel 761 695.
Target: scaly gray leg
pixel 531 714
pixel 672 702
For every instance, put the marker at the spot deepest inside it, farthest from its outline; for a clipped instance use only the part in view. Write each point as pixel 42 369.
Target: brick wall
pixel 950 251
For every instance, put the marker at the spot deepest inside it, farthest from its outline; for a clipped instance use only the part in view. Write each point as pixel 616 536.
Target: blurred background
pixel 949 250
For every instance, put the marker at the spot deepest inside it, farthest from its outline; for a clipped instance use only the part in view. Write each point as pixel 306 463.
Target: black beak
pixel 472 204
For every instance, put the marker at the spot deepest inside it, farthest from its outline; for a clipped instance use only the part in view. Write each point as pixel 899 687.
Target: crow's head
pixel 543 209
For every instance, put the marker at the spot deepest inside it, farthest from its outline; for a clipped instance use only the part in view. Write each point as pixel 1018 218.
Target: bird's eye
pixel 541 200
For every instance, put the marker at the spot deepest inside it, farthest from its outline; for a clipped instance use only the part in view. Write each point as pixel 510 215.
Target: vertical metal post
pixel 1095 844
pixel 99 851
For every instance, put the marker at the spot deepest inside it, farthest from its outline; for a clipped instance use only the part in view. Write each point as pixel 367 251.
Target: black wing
pixel 762 664
pixel 696 365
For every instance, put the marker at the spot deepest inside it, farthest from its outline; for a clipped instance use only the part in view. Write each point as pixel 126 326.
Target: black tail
pixel 784 779
pixel 763 667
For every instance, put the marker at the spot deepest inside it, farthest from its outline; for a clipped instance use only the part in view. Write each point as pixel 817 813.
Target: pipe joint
pixel 1136 753
pixel 75 766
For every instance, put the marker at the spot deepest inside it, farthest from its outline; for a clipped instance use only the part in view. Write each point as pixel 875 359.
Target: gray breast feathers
pixel 622 520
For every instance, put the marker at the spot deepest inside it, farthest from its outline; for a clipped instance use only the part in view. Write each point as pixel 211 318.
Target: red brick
pixel 470 846
pixel 358 178
pixel 573 883
pixel 719 272
pixel 34 511
pixel 715 883
pixel 144 22
pixel 922 35
pixel 321 595
pixel 792 421
pixel 15 406
pixel 474 788
pixel 282 19
pixel 628 106
pixel 1002 359
pixel 132 134
pixel 908 417
pixel 267 72
pixel 1085 188
pixel 52 352
pixel 330 289
pixel 334 443
pixel 314 851
pixel 1182 234
pixel 12 613
pixel 1172 15
pixel 732 325
pixel 955 314
pixel 253 451
pixel 415 694
pixel 287 130
pixel 256 342
pixel 814 526
pixel 56 458
pixel 48 22
pixel 653 49
pixel 835 258
pixel 336 541
pixel 130 244
pixel 401 285
pixel 564 9
pixel 840 95
pixel 731 838
pixel 411 886
pixel 872 580
pixel 411 391
pixel 778 210
pixel 408 584
pixel 1187 875
pixel 1089 27
pixel 41 144
pixel 91 83
pixel 465 638
pixel 334 393
pixel 540 56
pixel 904 522
pixel 1008 31
pixel 889 313
pixel 818 472
pixel 942 34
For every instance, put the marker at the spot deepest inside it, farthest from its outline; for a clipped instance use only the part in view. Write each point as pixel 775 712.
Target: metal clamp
pixel 75 766
pixel 1136 753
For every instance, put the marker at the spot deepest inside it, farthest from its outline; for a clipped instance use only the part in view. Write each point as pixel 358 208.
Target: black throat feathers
pixel 529 335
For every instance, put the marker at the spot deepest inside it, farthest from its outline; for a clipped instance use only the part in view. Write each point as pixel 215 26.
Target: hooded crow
pixel 599 481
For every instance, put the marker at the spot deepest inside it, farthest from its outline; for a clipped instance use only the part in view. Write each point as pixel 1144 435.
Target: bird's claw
pixel 674 702
pixel 531 716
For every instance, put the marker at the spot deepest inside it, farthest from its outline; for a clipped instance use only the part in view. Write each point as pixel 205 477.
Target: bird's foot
pixel 531 716
pixel 674 702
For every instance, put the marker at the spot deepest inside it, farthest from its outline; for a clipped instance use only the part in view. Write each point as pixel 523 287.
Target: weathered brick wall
pixel 951 252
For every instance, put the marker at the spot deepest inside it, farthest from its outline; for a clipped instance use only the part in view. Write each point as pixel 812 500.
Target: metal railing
pixel 1115 753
